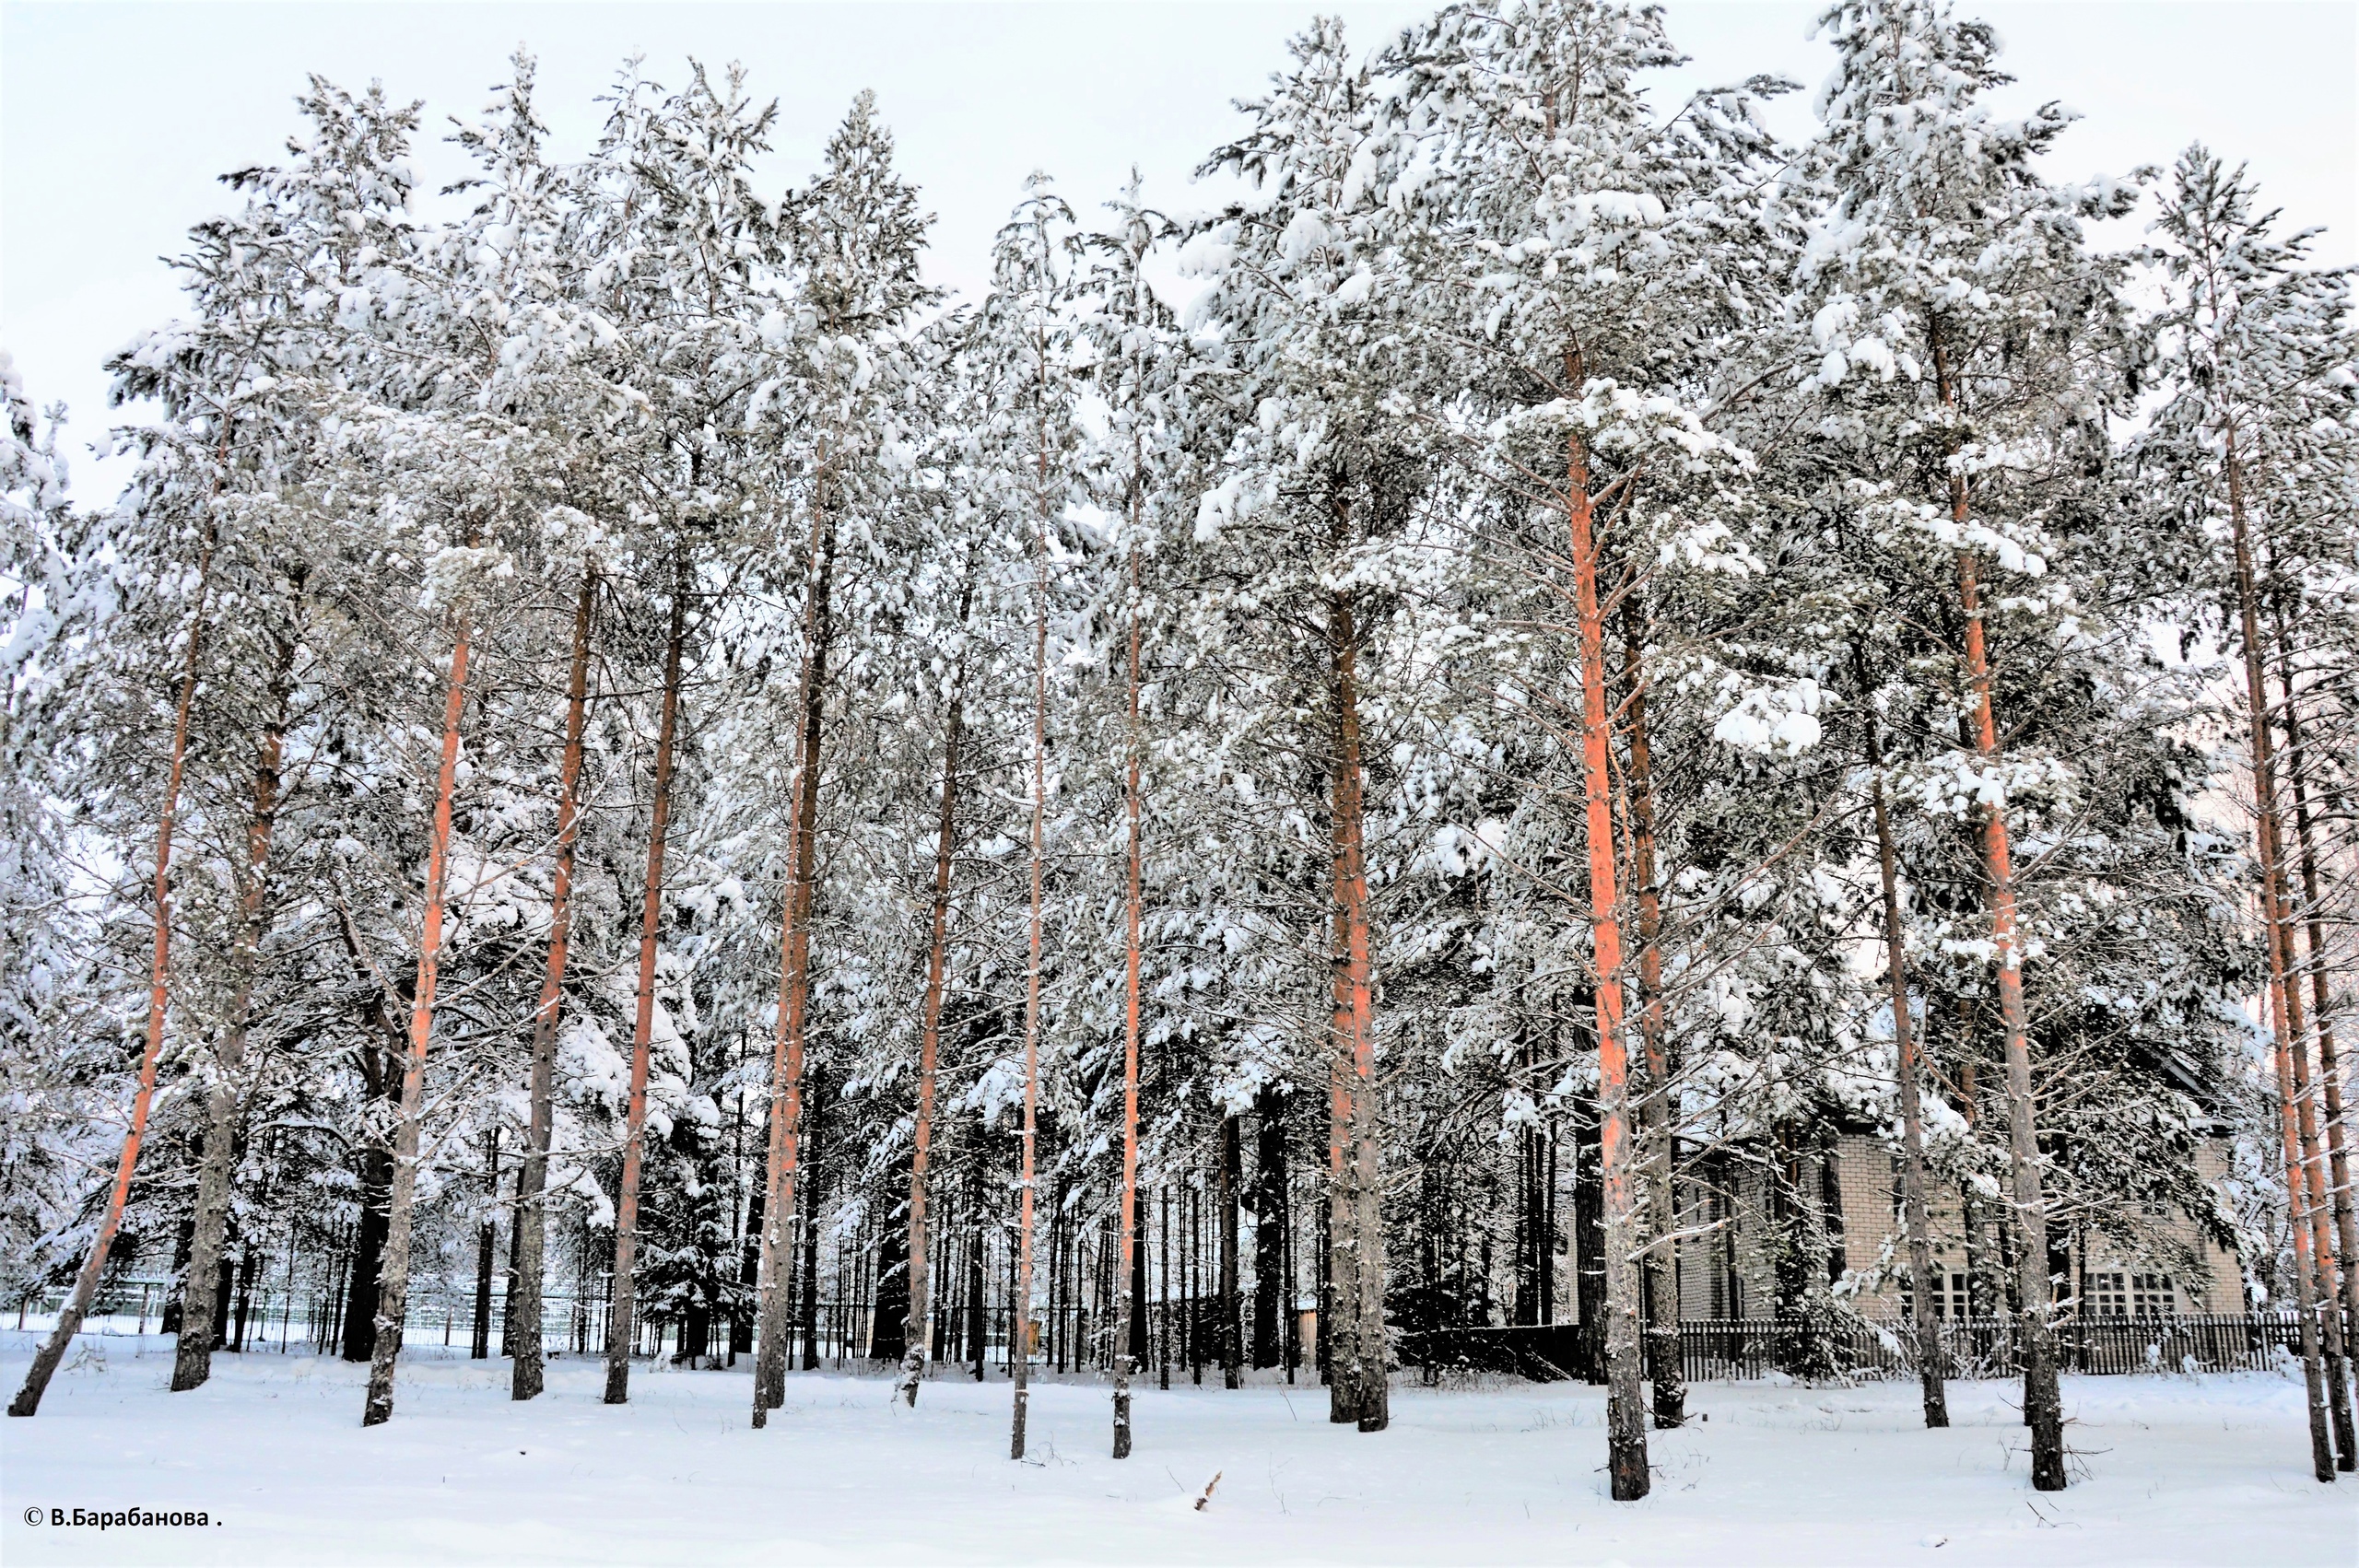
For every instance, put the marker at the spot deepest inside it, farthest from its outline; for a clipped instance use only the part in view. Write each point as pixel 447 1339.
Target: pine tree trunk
pixel 1229 1179
pixel 392 1292
pixel 913 1356
pixel 479 1345
pixel 1022 1306
pixel 1661 1279
pixel 1360 1390
pixel 2043 1401
pixel 1912 1118
pixel 530 1263
pixel 200 1325
pixel 2279 983
pixel 2338 1387
pixel 1163 1293
pixel 1269 1227
pixel 1126 1325
pixel 1625 1416
pixel 619 1323
pixel 86 1283
pixel 357 1336
pixel 2340 1306
pixel 815 1192
pixel 794 982
pixel 977 1306
pixel 1339 1291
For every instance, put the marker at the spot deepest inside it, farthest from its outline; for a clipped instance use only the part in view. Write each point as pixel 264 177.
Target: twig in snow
pixel 1207 1497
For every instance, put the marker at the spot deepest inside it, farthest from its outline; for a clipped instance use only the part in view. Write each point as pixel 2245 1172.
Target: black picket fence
pixel 1724 1349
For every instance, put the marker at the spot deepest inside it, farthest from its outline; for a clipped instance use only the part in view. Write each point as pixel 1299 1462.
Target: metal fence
pixel 1187 1333
pixel 1725 1349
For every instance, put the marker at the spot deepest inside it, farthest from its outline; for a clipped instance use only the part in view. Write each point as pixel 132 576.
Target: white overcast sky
pixel 115 118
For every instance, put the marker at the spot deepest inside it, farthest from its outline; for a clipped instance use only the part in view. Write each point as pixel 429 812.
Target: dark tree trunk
pixel 977 1321
pixel 527 1253
pixel 741 1330
pixel 487 1237
pixel 1269 1227
pixel 1589 1226
pixel 1917 1215
pixel 814 1192
pixel 619 1323
pixel 890 1335
pixel 1231 1179
pixel 359 1335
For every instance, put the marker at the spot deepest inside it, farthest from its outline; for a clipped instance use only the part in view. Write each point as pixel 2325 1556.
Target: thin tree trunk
pixel 200 1325
pixel 1229 1178
pixel 1022 1306
pixel 2337 1303
pixel 479 1346
pixel 619 1323
pixel 1133 1263
pixel 1625 1416
pixel 2043 1401
pixel 1660 1273
pixel 1162 1289
pixel 2279 982
pixel 532 1182
pixel 815 1192
pixel 913 1355
pixel 794 979
pixel 1912 1119
pixel 2338 1388
pixel 393 1290
pixel 86 1283
pixel 978 1303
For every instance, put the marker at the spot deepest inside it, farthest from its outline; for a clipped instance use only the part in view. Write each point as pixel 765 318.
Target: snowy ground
pixel 2204 1470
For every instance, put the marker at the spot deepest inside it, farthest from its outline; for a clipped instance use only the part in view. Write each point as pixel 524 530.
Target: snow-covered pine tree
pixel 1943 257
pixel 2259 346
pixel 853 237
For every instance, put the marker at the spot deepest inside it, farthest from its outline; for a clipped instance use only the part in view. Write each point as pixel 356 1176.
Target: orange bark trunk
pixel 2043 1402
pixel 2322 1020
pixel 86 1283
pixel 1625 1416
pixel 2280 986
pixel 1131 910
pixel 392 1299
pixel 794 982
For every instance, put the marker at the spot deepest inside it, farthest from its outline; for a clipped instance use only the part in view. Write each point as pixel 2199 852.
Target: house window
pixel 2119 1294
pixel 1950 1296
